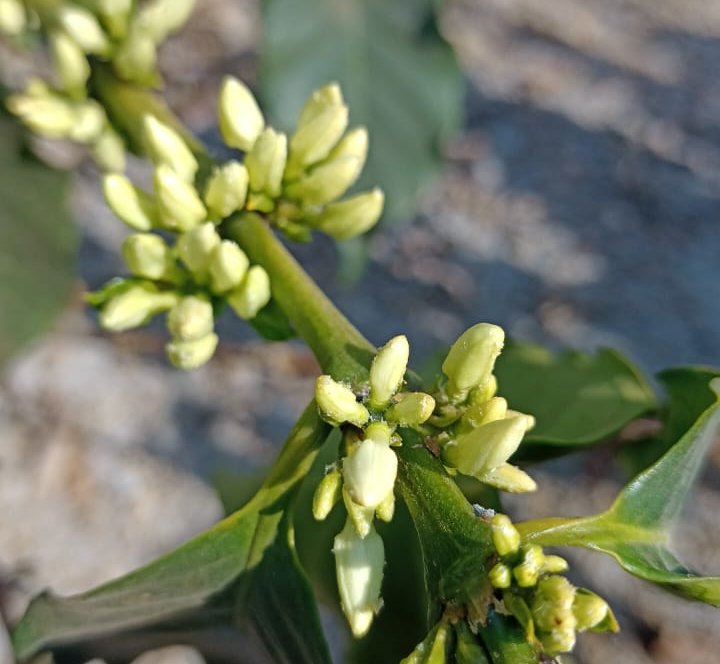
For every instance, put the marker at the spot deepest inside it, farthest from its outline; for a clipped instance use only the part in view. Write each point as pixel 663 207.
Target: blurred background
pixel 560 164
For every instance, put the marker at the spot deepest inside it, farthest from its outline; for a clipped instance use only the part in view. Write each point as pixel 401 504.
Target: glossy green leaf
pixel 576 398
pixel 187 583
pixel 469 648
pixel 398 75
pixel 38 243
pixel 436 648
pixel 636 529
pixel 505 641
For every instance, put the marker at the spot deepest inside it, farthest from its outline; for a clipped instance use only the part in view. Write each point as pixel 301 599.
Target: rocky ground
pixel 579 207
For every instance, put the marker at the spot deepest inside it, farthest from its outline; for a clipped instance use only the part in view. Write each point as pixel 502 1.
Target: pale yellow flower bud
pixel 481 413
pixel 528 571
pixel 195 248
pixel 322 98
pixel 265 162
pixel 326 182
pixel 109 151
pixel 147 255
pixel 554 565
pixel 240 118
pixel 411 409
pixel 361 517
pixel 388 370
pixel 558 641
pixel 132 205
pixel 359 565
pixel 70 63
pixel 166 147
pixel 115 14
pixel 369 472
pixel 228 266
pixel 189 355
pixel 90 120
pixel 84 29
pixel 337 404
pixel 386 509
pixel 590 610
pixel 552 605
pixel 226 190
pixel 351 217
pixel 136 58
pixel 44 113
pixel 353 144
pixel 506 538
pixel 191 319
pixel 327 494
pixel 160 18
pixel 135 306
pixel 509 478
pixel 252 294
pixel 12 17
pixel 500 576
pixel 179 205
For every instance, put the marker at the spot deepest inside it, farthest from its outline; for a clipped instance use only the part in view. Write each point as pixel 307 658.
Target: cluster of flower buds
pixel 193 277
pixel 364 478
pixel 479 432
pixel 550 609
pixel 296 183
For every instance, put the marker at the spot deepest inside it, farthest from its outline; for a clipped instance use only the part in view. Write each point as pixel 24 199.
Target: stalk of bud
pixel 388 370
pixel 240 118
pixel 337 403
pixel 252 294
pixel 132 205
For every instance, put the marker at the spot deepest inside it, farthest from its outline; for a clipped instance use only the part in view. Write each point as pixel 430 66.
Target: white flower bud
pixel 240 118
pixel 337 404
pixel 84 29
pixel 44 113
pixel 388 370
pixel 369 472
pixel 359 564
pixel 147 255
pixel 228 266
pixel 328 492
pixel 320 99
pixel 160 18
pixel 252 294
pixel 471 359
pixel 109 151
pixel 353 144
pixel 411 409
pixel 326 182
pixel 178 203
pixel 226 190
pixel 189 355
pixel 166 147
pixel 195 248
pixel 12 17
pixel 90 120
pixel 507 477
pixel 136 58
pixel 191 319
pixel 132 205
pixel 70 63
pixel 135 306
pixel 266 162
pixel 351 217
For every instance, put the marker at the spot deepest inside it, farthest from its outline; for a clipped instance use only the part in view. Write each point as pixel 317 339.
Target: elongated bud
pixel 326 182
pixel 70 63
pixel 84 29
pixel 554 565
pixel 189 355
pixel 471 359
pixel 351 217
pixel 485 448
pixel 90 120
pixel 337 404
pixel 191 319
pixel 359 565
pixel 552 605
pixel 226 190
pixel 411 409
pixel 228 266
pixel 252 294
pixel 370 472
pixel 109 151
pixel 178 203
pixel 320 99
pixel 136 58
pixel 500 576
pixel 505 536
pixel 240 118
pixel 507 477
pixel 361 517
pixel 115 15
pixel 478 414
pixel 484 392
pixel 132 205
pixel 591 610
pixel 134 307
pixel 12 17
pixel 353 144
pixel 386 509
pixel 44 113
pixel 328 492
pixel 195 248
pixel 527 572
pixel 266 162
pixel 166 147
pixel 160 18
pixel 147 255
pixel 388 370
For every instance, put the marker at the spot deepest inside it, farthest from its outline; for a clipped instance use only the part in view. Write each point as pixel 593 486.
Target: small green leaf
pixel 38 243
pixel 436 648
pixel 635 530
pixel 576 398
pixel 505 641
pixel 398 75
pixel 272 324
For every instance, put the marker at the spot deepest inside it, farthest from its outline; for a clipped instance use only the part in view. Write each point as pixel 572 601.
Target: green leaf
pixel 399 76
pixel 506 642
pixel 38 243
pixel 576 398
pixel 272 324
pixel 436 648
pixel 635 530
pixel 227 562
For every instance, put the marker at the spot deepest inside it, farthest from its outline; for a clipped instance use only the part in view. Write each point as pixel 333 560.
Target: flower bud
pixel 228 266
pixel 326 182
pixel 485 448
pixel 320 99
pixel 179 205
pixel 191 319
pixel 240 118
pixel 115 15
pixel 380 432
pixel 12 17
pixel 132 205
pixel 590 610
pixel 135 306
pixel 109 151
pixel 166 147
pixel 359 565
pixel 136 58
pixel 554 565
pixel 337 404
pixel 90 120
pixel 500 576
pixel 351 217
pixel 386 509
pixel 478 414
pixel 360 516
pixel 411 409
pixel 388 370
pixel 84 29
pixel 353 144
pixel 505 536
pixel 44 113
pixel 226 190
pixel 147 255
pixel 195 248
pixel 558 641
pixel 160 18
pixel 189 355
pixel 252 294
pixel 266 162
pixel 471 359
pixel 528 571
pixel 507 477
pixel 70 63
pixel 370 472
pixel 484 392
pixel 328 492
pixel 552 605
